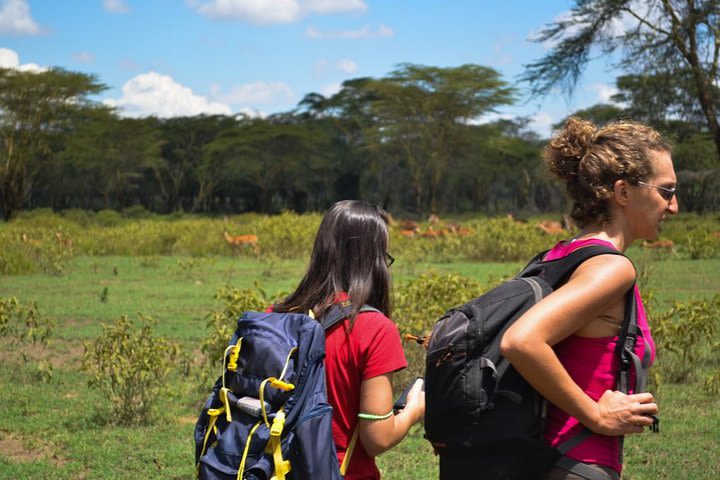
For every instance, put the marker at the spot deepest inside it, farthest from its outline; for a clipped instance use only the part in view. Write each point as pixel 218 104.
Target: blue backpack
pixel 268 415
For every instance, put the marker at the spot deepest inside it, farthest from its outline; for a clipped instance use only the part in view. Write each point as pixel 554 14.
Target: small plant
pixel 420 302
pixel 23 323
pixel 104 295
pixel 130 366
pixel 186 267
pixel 702 244
pixel 685 331
pixel 712 384
pixel 43 371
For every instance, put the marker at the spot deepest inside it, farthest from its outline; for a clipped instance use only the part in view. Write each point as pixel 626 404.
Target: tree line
pixel 409 141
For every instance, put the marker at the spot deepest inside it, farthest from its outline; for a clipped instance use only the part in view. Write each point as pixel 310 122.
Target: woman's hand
pixel 621 414
pixel 415 404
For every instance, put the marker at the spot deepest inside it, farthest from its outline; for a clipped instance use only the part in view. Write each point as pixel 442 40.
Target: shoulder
pixel 374 321
pixel 611 271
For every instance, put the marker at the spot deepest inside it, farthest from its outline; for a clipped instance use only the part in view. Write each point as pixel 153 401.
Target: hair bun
pixel 567 148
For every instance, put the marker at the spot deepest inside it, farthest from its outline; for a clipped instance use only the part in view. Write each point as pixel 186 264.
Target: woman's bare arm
pixel 596 284
pixel 378 436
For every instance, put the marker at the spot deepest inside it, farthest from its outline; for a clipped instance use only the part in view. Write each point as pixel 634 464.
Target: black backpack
pixel 477 404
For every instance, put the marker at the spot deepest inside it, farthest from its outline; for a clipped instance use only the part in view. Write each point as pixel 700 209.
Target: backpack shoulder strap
pixel 555 272
pixel 340 311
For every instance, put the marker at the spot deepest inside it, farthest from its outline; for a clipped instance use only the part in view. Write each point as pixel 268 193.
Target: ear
pixel 621 192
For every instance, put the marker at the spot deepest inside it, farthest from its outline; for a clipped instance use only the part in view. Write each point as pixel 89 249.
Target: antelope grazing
pixel 24 237
pixel 659 244
pixel 238 241
pixel 66 242
pixel 550 227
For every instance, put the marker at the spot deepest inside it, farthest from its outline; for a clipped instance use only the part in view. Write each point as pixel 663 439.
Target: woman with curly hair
pixel 622 183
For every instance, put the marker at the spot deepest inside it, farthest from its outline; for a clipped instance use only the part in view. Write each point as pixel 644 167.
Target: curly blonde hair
pixel 590 160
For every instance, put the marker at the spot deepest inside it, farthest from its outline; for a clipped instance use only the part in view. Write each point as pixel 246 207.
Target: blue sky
pixel 184 57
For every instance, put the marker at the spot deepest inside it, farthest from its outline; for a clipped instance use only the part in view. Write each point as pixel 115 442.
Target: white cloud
pixel 335 6
pixel 155 94
pixel 603 91
pixel 347 66
pixel 15 19
pixel 255 94
pixel 264 12
pixel 365 32
pixel 490 117
pixel 259 12
pixel 115 6
pixel 10 59
pixel 83 57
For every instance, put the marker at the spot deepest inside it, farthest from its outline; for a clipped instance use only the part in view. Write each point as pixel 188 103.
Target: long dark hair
pixel 349 255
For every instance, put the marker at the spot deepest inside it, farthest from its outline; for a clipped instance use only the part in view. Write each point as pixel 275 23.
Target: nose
pixel 673 206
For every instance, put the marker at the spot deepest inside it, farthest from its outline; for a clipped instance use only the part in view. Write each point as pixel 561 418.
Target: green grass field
pixel 59 429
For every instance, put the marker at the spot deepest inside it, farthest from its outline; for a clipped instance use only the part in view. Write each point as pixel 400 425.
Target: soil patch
pixel 17 449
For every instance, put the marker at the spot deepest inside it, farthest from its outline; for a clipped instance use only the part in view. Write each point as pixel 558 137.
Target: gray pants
pixel 558 473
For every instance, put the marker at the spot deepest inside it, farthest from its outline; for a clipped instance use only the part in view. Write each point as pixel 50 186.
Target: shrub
pixel 685 331
pixel 136 211
pixel 702 244
pixel 419 303
pixel 23 323
pixel 130 368
pixel 108 218
pixel 287 235
pixel 27 248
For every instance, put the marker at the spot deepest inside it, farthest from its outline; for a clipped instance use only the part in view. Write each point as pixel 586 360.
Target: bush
pixel 81 217
pixel 702 244
pixel 23 323
pixel 685 331
pixel 108 218
pixel 130 368
pixel 419 303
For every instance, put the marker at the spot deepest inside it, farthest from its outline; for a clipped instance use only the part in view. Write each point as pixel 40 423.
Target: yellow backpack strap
pixel 349 452
pixel 213 415
pixel 282 466
pixel 241 467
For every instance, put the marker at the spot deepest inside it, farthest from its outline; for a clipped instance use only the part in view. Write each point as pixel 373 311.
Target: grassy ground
pixel 58 429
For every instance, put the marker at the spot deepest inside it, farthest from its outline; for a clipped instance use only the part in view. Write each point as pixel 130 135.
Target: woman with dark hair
pixel 622 182
pixel 350 264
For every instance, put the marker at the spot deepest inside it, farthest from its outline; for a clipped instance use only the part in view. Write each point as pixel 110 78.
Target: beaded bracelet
pixel 370 416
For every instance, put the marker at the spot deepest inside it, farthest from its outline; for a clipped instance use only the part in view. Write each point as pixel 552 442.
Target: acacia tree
pixel 654 37
pixel 268 154
pixel 423 110
pixel 34 108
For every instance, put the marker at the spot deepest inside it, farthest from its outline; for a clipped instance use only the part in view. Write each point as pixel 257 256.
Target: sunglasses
pixel 666 193
pixel 390 259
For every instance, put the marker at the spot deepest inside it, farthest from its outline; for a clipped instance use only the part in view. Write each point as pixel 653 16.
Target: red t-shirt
pixel 372 348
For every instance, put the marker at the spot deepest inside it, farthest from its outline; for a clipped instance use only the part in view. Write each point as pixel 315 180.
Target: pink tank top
pixel 592 365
